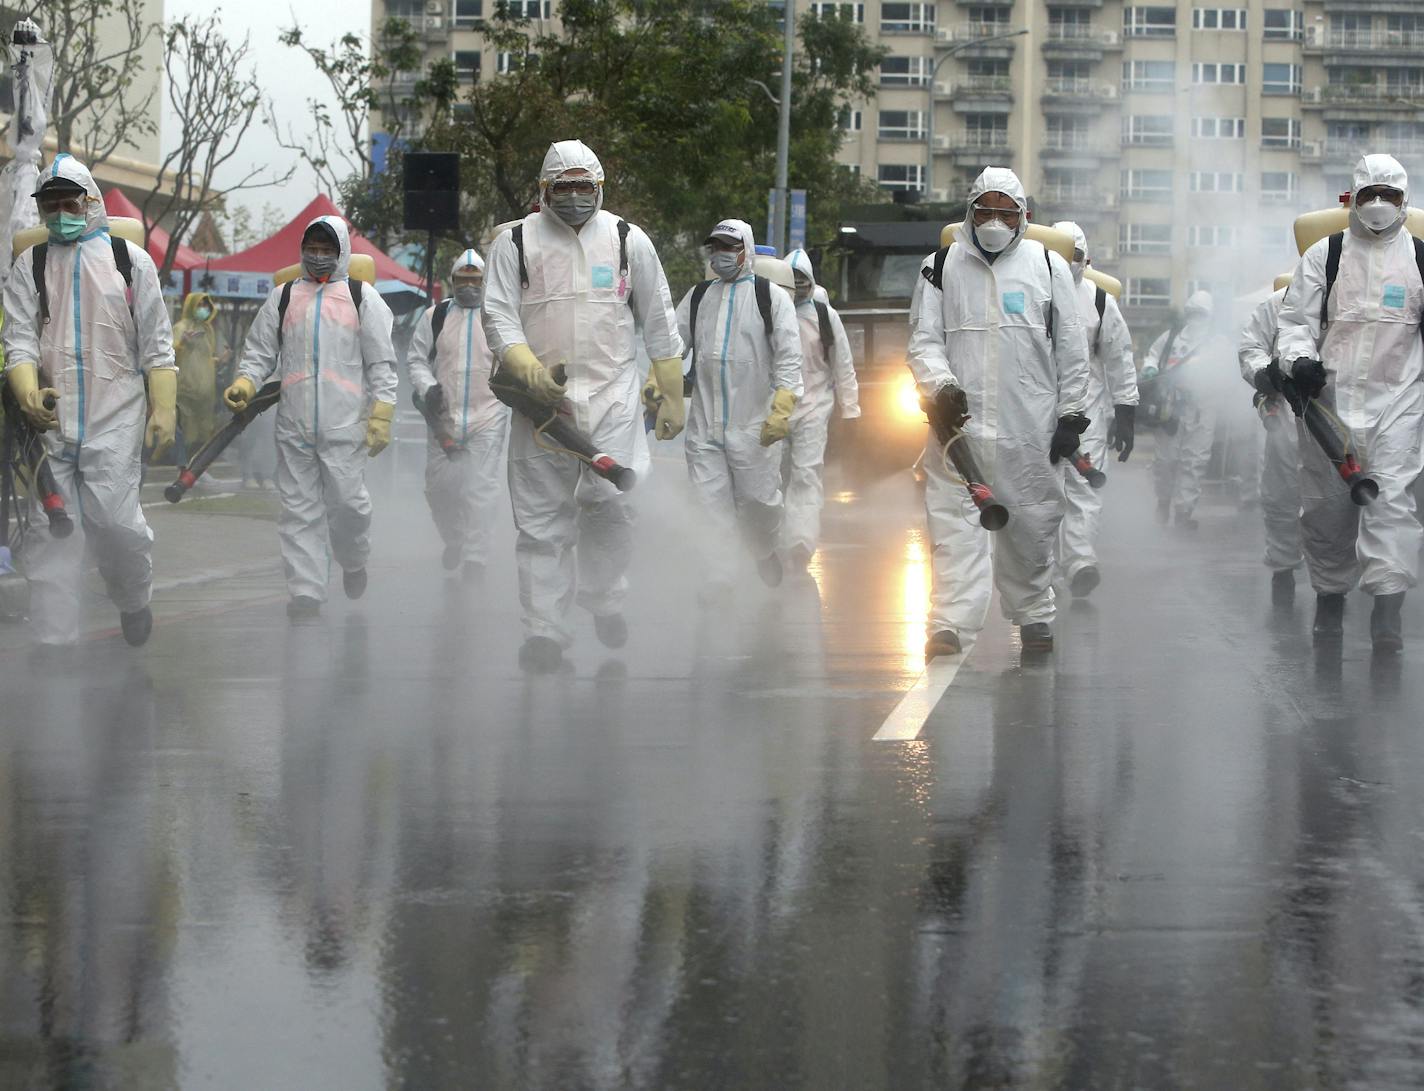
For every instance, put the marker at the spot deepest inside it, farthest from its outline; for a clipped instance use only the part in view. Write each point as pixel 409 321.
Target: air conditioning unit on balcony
pixel 941 143
pixel 1108 91
pixel 434 7
pixel 1313 94
pixel 939 196
pixel 1110 200
pixel 942 88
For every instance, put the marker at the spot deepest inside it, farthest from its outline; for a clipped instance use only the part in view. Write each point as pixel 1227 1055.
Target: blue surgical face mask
pixel 66 226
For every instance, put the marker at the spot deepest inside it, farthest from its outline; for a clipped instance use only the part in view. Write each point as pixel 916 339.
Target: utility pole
pixel 781 201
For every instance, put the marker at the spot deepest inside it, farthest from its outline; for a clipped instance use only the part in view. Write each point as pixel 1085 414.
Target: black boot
pixel 1283 587
pixel 303 608
pixel 137 624
pixel 1386 626
pixel 1037 636
pixel 354 583
pixel 1329 617
pixel 769 569
pixel 1083 582
pixel 450 558
pixel 541 655
pixel 611 629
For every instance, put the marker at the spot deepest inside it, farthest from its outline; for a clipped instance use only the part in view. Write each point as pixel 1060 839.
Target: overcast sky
pixel 285 74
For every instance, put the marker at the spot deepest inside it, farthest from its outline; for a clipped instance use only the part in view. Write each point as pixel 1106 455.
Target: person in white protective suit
pixel 747 356
pixel 1280 466
pixel 571 286
pixel 827 379
pixel 1359 352
pixel 88 343
pixel 1112 413
pixel 451 373
pixel 997 350
pixel 1190 361
pixel 336 363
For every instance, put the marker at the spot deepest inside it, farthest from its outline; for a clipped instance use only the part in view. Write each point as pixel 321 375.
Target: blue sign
pixel 796 233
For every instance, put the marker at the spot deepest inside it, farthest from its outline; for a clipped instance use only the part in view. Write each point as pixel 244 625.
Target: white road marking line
pixel 190 496
pixel 908 718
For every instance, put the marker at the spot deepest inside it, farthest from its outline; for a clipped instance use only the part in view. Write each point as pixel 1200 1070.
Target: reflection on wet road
pixel 1181 852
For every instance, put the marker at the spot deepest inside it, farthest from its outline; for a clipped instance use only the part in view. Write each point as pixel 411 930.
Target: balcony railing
pixel 1346 148
pixel 1078 87
pixel 1376 39
pixel 1354 94
pixel 995 143
pixel 1080 34
pixel 1072 142
pixel 984 85
pixel 1147 140
pixel 971 32
pixel 1075 196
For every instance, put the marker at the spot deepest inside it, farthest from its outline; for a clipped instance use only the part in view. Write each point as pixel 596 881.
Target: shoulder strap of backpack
pixel 1332 270
pixel 1167 347
pixel 283 301
pixel 1048 318
pixel 1419 264
pixel 37 260
pixel 517 231
pixel 823 320
pixel 622 248
pixel 355 287
pixel 1100 301
pixel 122 259
pixel 935 275
pixel 698 291
pixel 437 323
pixel 761 287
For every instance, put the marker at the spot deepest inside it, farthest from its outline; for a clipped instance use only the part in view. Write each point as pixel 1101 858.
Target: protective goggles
pixel 1009 217
pixel 51 204
pixel 1380 193
pixel 582 187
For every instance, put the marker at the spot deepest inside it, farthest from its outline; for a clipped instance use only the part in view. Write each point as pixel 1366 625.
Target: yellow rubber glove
pixel 162 410
pixel 239 394
pixel 666 377
pixel 520 361
pixel 378 427
pixel 25 383
pixel 778 422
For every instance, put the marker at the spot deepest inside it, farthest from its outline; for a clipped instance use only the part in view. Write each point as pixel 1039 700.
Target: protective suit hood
pixel 338 227
pixel 742 230
pixel 191 304
pixel 995 180
pixel 466 259
pixel 1080 242
pixel 1199 305
pixel 800 262
pixel 1378 170
pixel 564 156
pixel 66 166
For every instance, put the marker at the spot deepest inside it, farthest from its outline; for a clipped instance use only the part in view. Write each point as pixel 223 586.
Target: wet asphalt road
pixel 1183 851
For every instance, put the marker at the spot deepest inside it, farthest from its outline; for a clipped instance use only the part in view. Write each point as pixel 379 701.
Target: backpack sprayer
pixel 555 426
pixel 28 456
pixel 1363 488
pixel 955 445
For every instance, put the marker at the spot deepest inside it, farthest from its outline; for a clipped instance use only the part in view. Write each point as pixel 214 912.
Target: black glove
pixel 951 407
pixel 435 400
pixel 1309 377
pixel 1065 436
pixel 1122 432
pixel 1268 380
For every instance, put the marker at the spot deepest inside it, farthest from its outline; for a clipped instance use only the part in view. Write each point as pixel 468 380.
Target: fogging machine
pixel 208 453
pixel 1363 488
pixel 955 444
pixel 24 453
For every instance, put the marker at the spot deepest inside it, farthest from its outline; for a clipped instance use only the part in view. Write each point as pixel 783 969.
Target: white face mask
pixel 1378 214
pixel 726 265
pixel 469 295
pixel 994 235
pixel 1077 267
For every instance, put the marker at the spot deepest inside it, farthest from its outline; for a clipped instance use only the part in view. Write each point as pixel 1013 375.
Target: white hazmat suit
pixel 827 379
pixel 739 368
pixel 462 488
pixel 1280 466
pixel 1192 364
pixel 1373 358
pixel 101 340
pixel 1112 381
pixel 986 332
pixel 584 310
pixel 333 361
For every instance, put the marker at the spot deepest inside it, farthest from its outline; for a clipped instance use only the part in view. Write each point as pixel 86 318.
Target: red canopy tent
pixel 116 204
pixel 284 248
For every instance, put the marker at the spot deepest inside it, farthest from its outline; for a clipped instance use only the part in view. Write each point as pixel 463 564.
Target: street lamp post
pixel 960 47
pixel 783 130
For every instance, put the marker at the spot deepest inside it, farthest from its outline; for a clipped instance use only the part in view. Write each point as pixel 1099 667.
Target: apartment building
pixel 1184 136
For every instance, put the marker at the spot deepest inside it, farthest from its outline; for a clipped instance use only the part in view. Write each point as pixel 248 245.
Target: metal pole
pixel 783 131
pixel 934 75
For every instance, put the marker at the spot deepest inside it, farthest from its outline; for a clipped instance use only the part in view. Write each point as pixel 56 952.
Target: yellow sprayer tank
pixel 121 227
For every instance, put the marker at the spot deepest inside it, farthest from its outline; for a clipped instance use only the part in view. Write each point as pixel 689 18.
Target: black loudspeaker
pixel 432 191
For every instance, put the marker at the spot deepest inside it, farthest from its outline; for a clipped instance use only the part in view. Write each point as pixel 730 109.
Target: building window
pixel 850 120
pixel 989 20
pixel 468 12
pixel 1147 185
pixel 851 13
pixel 902 125
pixel 1215 181
pixel 1278 185
pixel 1149 75
pixel 1280 79
pixel 1212 235
pixel 1144 238
pixel 910 176
pixel 530 9
pixel 906 18
pixel 1283 24
pixel 1219 128
pixel 1070 23
pixel 1149 292
pixel 1220 73
pixel 1280 132
pixel 1149 130
pixel 1218 18
pixel 905 71
pixel 986 130
pixel 1149 22
pixel 505 63
pixel 467 65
